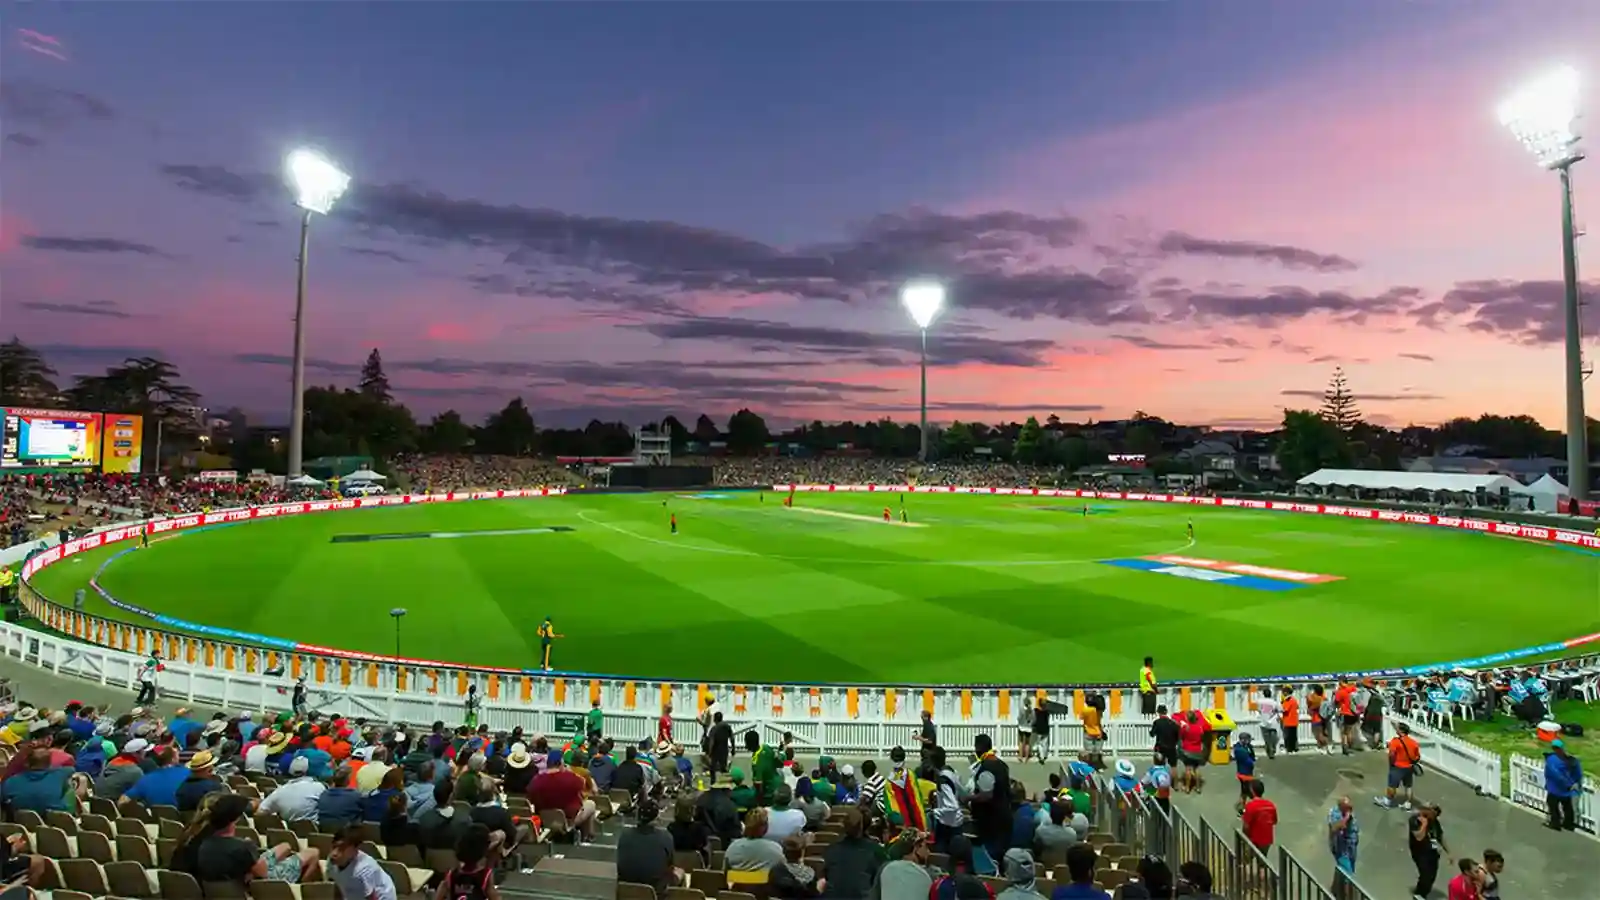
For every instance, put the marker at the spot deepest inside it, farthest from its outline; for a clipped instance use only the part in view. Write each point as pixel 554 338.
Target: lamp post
pixel 1543 118
pixel 923 300
pixel 317 184
pixel 398 613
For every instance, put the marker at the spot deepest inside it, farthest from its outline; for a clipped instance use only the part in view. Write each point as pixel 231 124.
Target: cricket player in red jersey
pixel 674 522
pixel 887 517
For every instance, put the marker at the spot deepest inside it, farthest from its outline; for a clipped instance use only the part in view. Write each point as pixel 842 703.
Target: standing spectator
pixel 1469 884
pixel 1081 860
pixel 1244 763
pixel 927 735
pixel 1344 839
pixel 1426 839
pixel 1260 817
pixel 1493 865
pixel 1192 745
pixel 1404 755
pixel 1372 716
pixel 1315 701
pixel 357 875
pixel 991 798
pixel 1291 720
pixel 1349 721
pixel 1147 687
pixel 850 865
pixel 1165 734
pixel 1025 730
pixel 147 679
pixel 1563 781
pixel 719 745
pixel 644 852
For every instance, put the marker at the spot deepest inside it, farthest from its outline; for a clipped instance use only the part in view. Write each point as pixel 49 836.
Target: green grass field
pixel 979 589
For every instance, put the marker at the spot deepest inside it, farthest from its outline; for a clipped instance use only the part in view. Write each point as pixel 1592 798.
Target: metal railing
pixel 1253 877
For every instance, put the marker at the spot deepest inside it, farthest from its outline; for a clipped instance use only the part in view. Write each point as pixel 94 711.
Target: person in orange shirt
pixel 1319 728
pixel 1404 755
pixel 1094 734
pixel 1348 720
pixel 1291 720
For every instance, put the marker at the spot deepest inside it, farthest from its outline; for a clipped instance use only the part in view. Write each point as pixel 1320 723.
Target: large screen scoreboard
pixel 69 439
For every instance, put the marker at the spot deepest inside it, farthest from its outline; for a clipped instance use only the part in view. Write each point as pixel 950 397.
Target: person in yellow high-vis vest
pixel 8 582
pixel 1147 687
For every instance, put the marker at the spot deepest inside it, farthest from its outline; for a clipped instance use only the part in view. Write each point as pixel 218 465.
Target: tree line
pixel 367 420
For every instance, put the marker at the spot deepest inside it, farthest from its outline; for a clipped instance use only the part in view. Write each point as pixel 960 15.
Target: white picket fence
pixel 1527 789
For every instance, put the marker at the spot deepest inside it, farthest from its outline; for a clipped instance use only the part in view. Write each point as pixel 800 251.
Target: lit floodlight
pixel 923 300
pixel 1542 117
pixel 317 183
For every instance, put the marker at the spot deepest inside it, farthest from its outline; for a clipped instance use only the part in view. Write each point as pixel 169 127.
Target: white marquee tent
pixel 1547 494
pixel 1381 480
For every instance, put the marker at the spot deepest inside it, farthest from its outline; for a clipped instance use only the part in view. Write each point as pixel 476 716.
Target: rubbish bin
pixel 1219 740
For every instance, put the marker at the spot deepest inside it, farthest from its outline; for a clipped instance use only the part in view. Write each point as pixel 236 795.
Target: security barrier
pixel 1527 789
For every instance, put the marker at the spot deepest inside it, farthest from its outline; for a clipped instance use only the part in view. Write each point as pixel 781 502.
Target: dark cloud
pixel 1153 344
pixel 32 104
pixel 102 308
pixel 1042 410
pixel 1227 360
pixel 378 253
pixel 219 181
pixel 1529 312
pixel 1364 398
pixel 86 245
pixel 1286 304
pixel 1325 359
pixel 858 346
pixel 1418 356
pixel 1179 244
pixel 313 364
pixel 89 354
pixel 22 139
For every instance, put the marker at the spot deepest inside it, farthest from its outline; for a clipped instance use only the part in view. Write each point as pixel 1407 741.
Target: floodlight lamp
pixel 1542 116
pixel 923 300
pixel 397 612
pixel 317 183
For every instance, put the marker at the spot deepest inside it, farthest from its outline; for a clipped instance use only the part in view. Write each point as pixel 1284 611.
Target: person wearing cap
pixel 122 771
pixel 1563 782
pixel 560 788
pixel 1020 874
pixel 159 787
pixel 181 725
pixel 296 799
pixel 39 787
pixel 202 780
pixel 716 808
pixel 744 796
pixel 907 875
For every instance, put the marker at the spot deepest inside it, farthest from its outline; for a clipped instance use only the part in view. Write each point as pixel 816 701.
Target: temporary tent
pixel 304 481
pixel 1381 480
pixel 1547 494
pixel 365 475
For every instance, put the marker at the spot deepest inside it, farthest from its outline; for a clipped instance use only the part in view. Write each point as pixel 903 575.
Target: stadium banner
pixel 49 438
pixel 122 449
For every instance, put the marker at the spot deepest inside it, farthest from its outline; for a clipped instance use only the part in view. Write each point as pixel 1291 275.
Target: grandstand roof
pixel 1380 480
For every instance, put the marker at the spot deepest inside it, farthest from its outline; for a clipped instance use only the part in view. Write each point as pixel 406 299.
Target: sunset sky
pixel 1194 209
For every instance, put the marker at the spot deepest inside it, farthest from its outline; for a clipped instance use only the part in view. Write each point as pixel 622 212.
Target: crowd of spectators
pixel 866 470
pixel 101 498
pixel 447 472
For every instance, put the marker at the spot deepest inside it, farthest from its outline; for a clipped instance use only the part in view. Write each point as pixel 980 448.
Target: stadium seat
pixel 96 823
pixel 687 860
pixel 1128 863
pixel 708 881
pixel 177 886
pixel 136 849
pixel 266 889
pixel 129 879
pixel 56 818
pixel 83 875
pixel 683 893
pixel 96 846
pixel 1111 879
pixel 1114 851
pixel 54 843
pixel 224 890
pixel 627 890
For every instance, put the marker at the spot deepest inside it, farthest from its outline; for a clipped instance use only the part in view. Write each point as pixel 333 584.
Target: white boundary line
pixel 727 551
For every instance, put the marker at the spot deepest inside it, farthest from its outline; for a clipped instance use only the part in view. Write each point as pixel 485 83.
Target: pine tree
pixel 374 383
pixel 1339 405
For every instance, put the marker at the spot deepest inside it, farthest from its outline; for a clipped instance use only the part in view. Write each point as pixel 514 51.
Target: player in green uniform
pixel 547 634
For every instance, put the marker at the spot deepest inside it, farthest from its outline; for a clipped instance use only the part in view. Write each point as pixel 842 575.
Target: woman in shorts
pixel 1025 730
pixel 1192 750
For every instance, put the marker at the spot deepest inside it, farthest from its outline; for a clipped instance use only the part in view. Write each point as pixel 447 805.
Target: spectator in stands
pixel 296 799
pixel 784 820
pixel 961 882
pixel 1053 837
pixel 990 798
pixel 357 875
pixel 1155 876
pixel 1192 749
pixel 795 879
pixel 850 865
pixel 689 833
pixel 160 786
pixel 907 876
pixel 372 774
pixel 181 725
pixel 1081 862
pixel 339 805
pixel 40 787
pixel 376 804
pixel 508 834
pixel 1021 880
pixel 1024 817
pixel 744 796
pixel 210 852
pixel 1194 880
pixel 122 771
pixel 440 828
pixel 816 812
pixel 473 876
pixel 1260 817
pixel 560 788
pixel 753 852
pixel 16 863
pixel 1563 782
pixel 202 780
pixel 716 809
pixel 419 793
pixel 644 852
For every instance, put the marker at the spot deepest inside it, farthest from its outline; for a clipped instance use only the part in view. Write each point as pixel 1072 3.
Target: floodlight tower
pixel 317 184
pixel 1543 117
pixel 923 299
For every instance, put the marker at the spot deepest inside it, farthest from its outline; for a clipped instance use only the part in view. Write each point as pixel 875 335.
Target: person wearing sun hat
pixel 202 780
pixel 519 769
pixel 17 730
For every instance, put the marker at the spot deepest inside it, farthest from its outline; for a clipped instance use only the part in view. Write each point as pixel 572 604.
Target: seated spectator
pixel 357 875
pixel 603 767
pixel 1081 862
pixel 753 852
pixel 40 787
pixel 202 780
pixel 520 771
pixel 340 804
pixel 816 811
pixel 716 809
pixel 689 833
pixel 122 771
pixel 473 877
pixel 440 828
pixel 1024 817
pixel 1020 874
pixel 795 879
pixel 907 876
pixel 296 800
pixel 560 788
pixel 630 775
pixel 962 882
pixel 210 852
pixel 783 819
pixel 504 830
pixel 160 786
pixel 17 864
pixel 644 852
pixel 850 864
pixel 1054 837
pixel 1194 880
pixel 419 794
pixel 370 776
pixel 375 803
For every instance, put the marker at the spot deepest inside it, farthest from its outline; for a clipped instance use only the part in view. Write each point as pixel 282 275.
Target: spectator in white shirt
pixel 358 875
pixel 1271 723
pixel 784 819
pixel 296 800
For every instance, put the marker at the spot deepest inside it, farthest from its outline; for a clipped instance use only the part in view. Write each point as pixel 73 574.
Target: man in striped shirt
pixel 873 785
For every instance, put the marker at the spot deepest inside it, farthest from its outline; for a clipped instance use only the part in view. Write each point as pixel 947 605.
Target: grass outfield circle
pixel 972 589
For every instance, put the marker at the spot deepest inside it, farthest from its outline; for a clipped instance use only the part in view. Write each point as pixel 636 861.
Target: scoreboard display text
pixel 49 439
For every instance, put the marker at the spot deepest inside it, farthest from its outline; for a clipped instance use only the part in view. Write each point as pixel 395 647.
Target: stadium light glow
pixel 923 300
pixel 1543 116
pixel 318 184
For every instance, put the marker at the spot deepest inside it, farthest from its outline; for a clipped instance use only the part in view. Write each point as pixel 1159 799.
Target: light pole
pixel 398 613
pixel 1543 117
pixel 317 184
pixel 923 299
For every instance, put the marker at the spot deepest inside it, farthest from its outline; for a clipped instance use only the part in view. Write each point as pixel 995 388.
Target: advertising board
pixel 123 444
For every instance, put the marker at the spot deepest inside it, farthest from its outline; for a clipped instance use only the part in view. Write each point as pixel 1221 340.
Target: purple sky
pixel 1195 210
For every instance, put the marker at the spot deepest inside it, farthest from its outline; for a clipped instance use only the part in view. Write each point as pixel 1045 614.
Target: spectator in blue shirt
pixel 1244 764
pixel 181 726
pixel 40 787
pixel 160 787
pixel 1025 819
pixel 82 724
pixel 319 761
pixel 1081 860
pixel 1563 782
pixel 202 780
pixel 340 804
